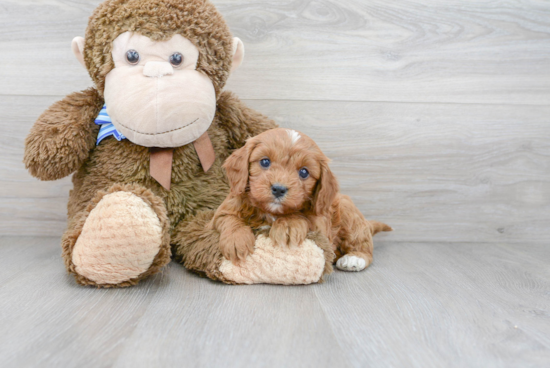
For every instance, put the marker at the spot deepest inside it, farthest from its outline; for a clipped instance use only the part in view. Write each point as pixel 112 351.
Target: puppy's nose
pixel 157 69
pixel 278 190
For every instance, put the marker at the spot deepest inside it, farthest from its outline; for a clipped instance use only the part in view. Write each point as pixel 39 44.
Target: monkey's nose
pixel 278 190
pixel 157 69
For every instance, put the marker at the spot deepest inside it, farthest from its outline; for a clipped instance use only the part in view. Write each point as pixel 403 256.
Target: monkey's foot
pixel 286 265
pixel 122 240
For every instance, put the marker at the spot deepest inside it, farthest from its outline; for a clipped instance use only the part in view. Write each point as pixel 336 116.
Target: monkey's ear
pixel 238 53
pixel 78 49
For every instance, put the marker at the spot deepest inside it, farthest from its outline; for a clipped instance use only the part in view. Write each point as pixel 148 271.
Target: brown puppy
pixel 281 179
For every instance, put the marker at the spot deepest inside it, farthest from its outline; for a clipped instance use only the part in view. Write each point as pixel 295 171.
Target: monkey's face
pixel 160 65
pixel 154 95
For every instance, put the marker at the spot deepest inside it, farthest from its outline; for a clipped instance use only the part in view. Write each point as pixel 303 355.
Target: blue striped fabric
pixel 107 128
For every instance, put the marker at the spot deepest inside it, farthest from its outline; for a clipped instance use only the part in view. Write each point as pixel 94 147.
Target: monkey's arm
pixel 62 137
pixel 240 121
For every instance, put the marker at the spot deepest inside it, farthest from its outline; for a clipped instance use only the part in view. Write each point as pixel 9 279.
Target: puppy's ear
pixel 325 191
pixel 236 168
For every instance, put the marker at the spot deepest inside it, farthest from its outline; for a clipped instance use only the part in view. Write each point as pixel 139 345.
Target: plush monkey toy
pixel 146 144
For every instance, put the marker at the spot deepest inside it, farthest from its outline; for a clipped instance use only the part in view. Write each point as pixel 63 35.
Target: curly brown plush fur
pixel 63 140
pixel 62 137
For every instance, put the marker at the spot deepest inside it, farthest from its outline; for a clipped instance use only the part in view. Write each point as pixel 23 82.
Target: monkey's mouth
pixel 160 133
pixel 160 112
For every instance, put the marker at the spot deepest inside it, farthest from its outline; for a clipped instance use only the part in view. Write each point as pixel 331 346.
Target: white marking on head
pixel 294 135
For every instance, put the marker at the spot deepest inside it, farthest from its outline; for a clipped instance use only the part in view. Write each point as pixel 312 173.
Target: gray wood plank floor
pixel 419 305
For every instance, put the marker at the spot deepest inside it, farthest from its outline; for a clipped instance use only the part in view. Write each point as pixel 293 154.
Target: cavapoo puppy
pixel 281 180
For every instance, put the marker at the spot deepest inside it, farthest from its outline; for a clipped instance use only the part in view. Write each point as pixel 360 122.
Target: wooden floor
pixel 418 305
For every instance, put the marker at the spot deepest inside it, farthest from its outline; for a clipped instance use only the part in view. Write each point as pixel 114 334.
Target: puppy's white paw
pixel 351 263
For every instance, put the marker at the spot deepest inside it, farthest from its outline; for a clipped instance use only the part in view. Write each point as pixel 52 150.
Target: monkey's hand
pixel 237 244
pixel 62 137
pixel 290 230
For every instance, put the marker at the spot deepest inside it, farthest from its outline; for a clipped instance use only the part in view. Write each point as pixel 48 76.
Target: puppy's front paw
pixel 297 234
pixel 289 231
pixel 237 245
pixel 351 263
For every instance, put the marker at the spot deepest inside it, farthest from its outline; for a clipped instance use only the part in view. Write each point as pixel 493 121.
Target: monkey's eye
pixel 132 56
pixel 304 174
pixel 265 163
pixel 176 59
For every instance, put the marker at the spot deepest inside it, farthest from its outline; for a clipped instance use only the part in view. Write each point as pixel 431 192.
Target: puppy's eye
pixel 176 59
pixel 132 56
pixel 304 174
pixel 265 163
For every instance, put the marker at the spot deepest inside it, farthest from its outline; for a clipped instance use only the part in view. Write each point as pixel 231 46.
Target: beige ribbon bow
pixel 161 160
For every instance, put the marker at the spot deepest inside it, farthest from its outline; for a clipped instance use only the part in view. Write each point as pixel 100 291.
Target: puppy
pixel 281 180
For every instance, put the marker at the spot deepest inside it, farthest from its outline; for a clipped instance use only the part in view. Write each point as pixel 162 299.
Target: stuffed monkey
pixel 146 145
